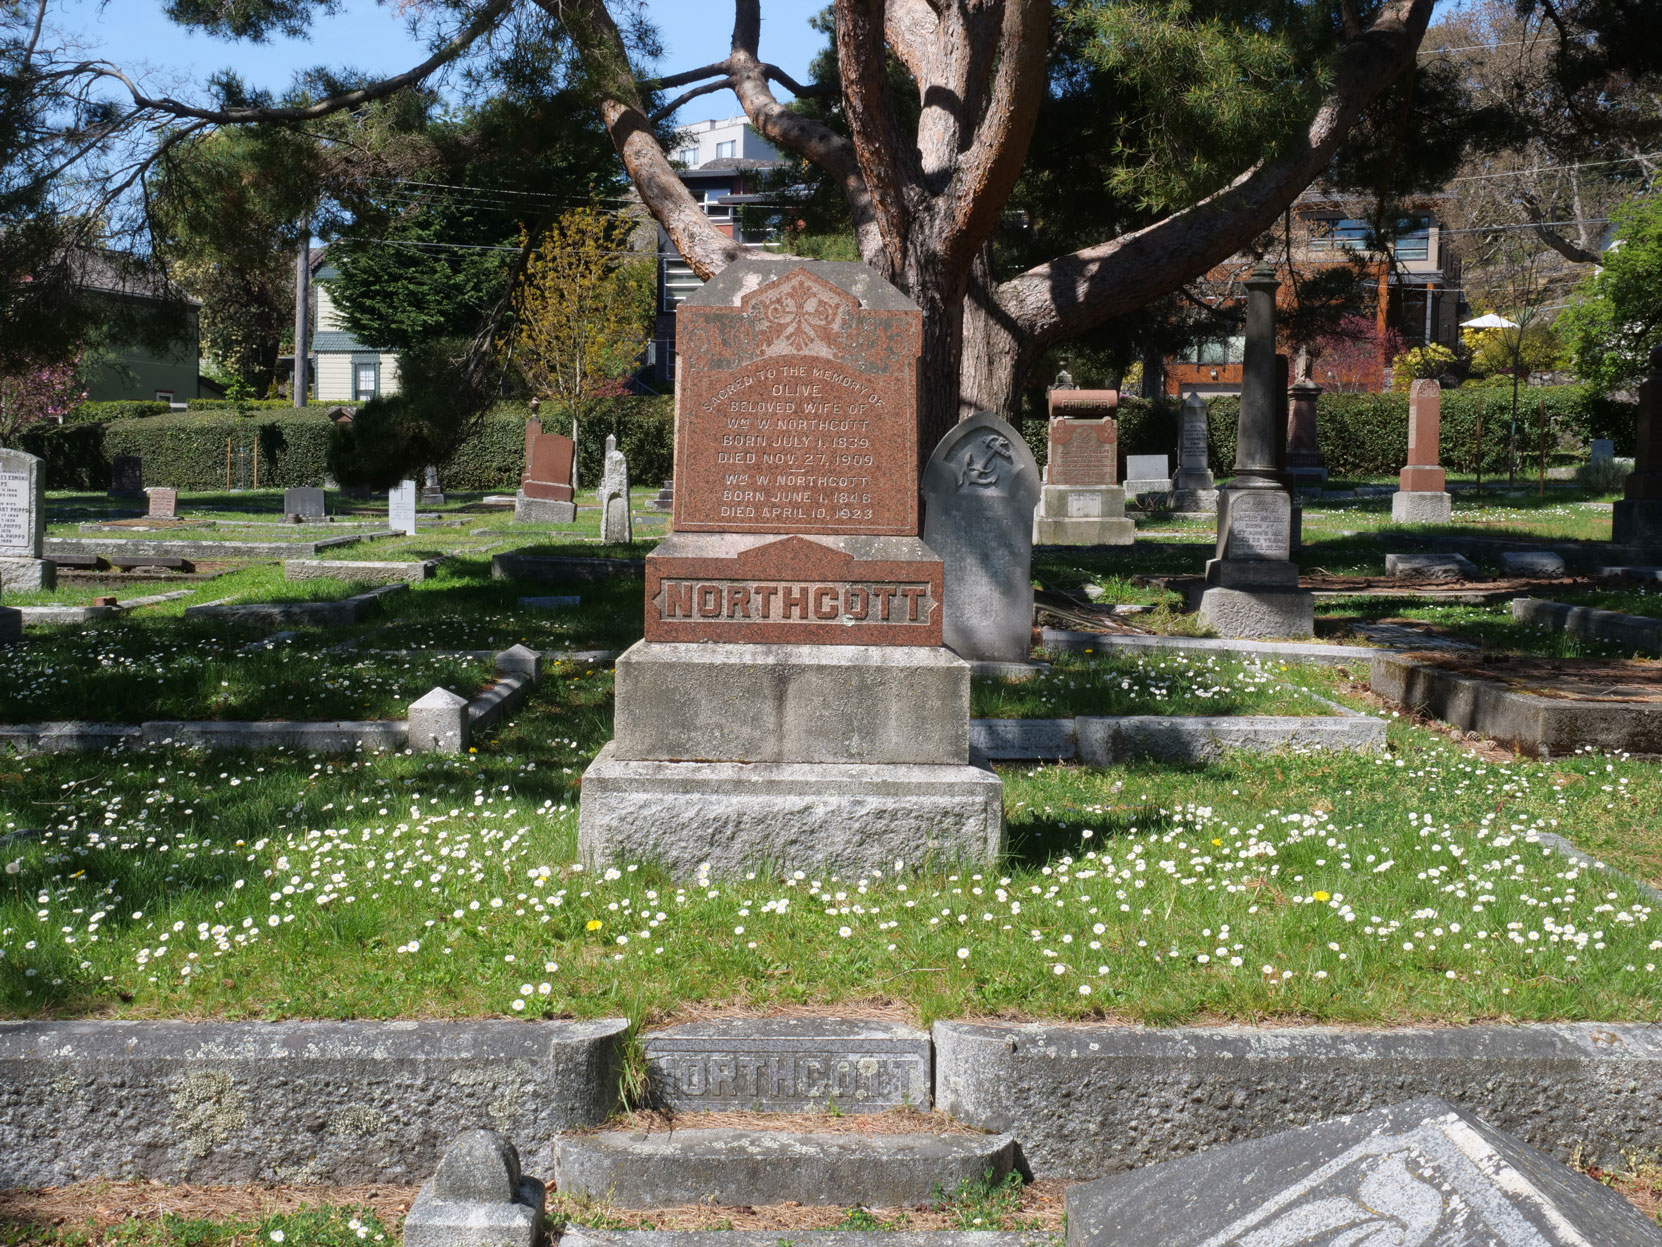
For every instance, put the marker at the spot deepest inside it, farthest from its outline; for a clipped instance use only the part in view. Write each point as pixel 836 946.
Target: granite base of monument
pixel 11 625
pixel 529 510
pixel 1259 612
pixel 712 702
pixel 730 817
pixel 1082 515
pixel 1421 506
pixel 1637 522
pixel 1193 501
pixel 25 575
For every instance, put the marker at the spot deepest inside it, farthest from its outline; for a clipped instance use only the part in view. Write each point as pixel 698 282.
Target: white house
pixel 344 369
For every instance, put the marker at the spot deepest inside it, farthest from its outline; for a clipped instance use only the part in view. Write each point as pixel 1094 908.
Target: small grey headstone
pixel 789 1065
pixel 307 503
pixel 979 490
pixel 401 508
pixel 1422 1174
pixel 1603 448
pixel 126 476
pixel 1429 567
pixel 616 526
pixel 1147 468
pixel 1531 563
pixel 478 1198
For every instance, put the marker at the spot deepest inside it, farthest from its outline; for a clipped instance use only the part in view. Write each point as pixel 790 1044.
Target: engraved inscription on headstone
pixel 401 508
pixel 1083 452
pixel 1194 439
pixel 164 503
pixel 795 412
pixel 21 505
pixel 789 1065
pixel 1089 503
pixel 1257 525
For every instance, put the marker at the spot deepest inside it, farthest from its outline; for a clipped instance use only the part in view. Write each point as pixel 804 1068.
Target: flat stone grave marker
pixel 979 490
pixel 1531 563
pixel 401 508
pixel 1426 1173
pixel 164 503
pixel 789 1065
pixel 306 503
pixel 1430 567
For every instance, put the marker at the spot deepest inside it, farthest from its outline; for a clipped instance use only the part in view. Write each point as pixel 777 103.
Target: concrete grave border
pixel 519 565
pixel 1640 632
pixel 1108 739
pixel 1297 651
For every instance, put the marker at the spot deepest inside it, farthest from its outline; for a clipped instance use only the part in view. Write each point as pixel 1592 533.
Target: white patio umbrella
pixel 1490 320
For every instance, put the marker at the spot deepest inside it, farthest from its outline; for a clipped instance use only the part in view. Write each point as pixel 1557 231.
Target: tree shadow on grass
pixel 1040 838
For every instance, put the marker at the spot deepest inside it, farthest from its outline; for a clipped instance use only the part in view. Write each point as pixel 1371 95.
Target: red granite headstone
pixel 1425 416
pixel 796 411
pixel 548 462
pixel 795 493
pixel 164 503
pixel 1083 452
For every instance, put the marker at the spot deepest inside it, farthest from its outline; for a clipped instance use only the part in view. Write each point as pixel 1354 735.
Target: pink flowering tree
pixel 1353 356
pixel 38 391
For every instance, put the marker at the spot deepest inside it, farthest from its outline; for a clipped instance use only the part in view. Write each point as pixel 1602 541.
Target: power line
pixel 1585 164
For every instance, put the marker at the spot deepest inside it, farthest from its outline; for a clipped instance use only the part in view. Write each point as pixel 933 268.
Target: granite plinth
pixel 979 489
pixel 1193 500
pixel 1423 507
pixel 873 704
pixel 1424 1172
pixel 23 575
pixel 747 588
pixel 1422 480
pixel 1082 515
pixel 1259 612
pixel 730 817
pixel 1637 522
pixel 796 401
pixel 529 510
pixel 789 1065
pixel 1252 573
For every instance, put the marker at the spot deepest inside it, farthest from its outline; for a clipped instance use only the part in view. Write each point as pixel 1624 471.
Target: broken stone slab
pixel 672 1168
pixel 579 1236
pixel 1089 1100
pixel 478 1198
pixel 1531 563
pixel 790 1065
pixel 1430 567
pixel 64 614
pixel 1424 1172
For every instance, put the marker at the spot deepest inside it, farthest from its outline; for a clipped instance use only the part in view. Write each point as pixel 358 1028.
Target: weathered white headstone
pixel 401 508
pixel 616 524
pixel 1194 488
pixel 1422 1174
pixel 22 524
pixel 979 490
pixel 307 503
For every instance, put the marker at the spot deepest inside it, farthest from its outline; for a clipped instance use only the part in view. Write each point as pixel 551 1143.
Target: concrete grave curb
pixel 1091 1100
pixel 365 571
pixel 1105 740
pixel 118 547
pixel 351 610
pixel 229 1102
pixel 1292 651
pixel 1640 632
pixel 519 565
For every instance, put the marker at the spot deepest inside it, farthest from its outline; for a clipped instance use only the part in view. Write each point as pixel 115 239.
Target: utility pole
pixel 302 312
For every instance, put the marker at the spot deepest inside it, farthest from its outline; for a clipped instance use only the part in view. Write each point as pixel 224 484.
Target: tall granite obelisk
pixel 1252 584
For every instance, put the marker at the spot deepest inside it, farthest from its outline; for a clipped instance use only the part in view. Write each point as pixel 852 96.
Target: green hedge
pixel 186 450
pixel 1367 434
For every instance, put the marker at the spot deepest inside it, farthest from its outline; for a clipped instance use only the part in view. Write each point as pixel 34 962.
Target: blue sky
pixel 368 36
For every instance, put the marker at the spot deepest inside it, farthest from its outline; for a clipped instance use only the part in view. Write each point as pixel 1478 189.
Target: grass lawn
pixel 1334 887
pixel 1165 684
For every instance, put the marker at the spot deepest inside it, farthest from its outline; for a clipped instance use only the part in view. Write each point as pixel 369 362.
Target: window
pixel 1413 238
pixel 729 148
pixel 1226 351
pixel 1339 234
pixel 687 156
pixel 365 381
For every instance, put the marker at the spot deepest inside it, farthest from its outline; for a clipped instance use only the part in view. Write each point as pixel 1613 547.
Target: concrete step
pixel 576 1236
pixel 637 1169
